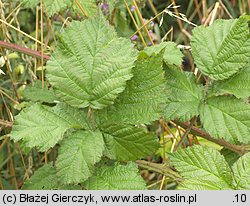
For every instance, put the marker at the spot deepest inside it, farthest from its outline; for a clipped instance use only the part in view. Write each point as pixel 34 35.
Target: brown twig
pixel 185 134
pixel 240 149
pixel 198 9
pixel 15 47
pixel 159 168
pixel 154 10
pixel 5 123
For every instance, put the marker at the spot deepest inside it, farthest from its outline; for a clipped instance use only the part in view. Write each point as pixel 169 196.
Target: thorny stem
pixel 240 149
pixel 24 50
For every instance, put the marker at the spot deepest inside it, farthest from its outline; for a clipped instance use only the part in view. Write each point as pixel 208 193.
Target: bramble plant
pixel 102 94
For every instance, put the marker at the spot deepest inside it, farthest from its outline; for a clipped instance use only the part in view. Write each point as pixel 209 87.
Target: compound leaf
pixel 91 64
pixel 172 55
pixel 227 117
pixel 78 154
pixel 144 97
pixel 184 95
pixel 238 85
pixel 44 126
pixel 117 177
pixel 241 170
pixel 125 142
pixel 202 168
pixel 221 49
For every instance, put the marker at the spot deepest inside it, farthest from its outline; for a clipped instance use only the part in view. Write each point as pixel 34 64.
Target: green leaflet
pixel 42 126
pixel 45 179
pixel 91 64
pixel 241 170
pixel 117 177
pixel 125 142
pixel 51 6
pixel 78 154
pixel 121 22
pixel 37 94
pixel 55 6
pixel 221 49
pixel 143 99
pixel 230 156
pixel 29 3
pixel 120 4
pixel 172 55
pixel 238 85
pixel 89 7
pixel 184 95
pixel 202 168
pixel 227 117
